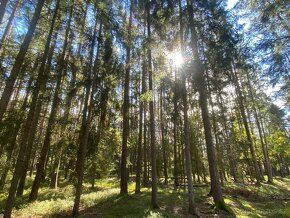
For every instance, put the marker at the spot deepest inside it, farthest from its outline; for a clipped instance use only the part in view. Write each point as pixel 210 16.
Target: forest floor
pixel 104 201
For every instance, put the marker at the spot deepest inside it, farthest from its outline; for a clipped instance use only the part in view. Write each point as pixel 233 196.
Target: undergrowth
pixel 266 200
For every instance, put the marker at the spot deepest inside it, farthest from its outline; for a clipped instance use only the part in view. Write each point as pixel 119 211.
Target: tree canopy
pixel 154 92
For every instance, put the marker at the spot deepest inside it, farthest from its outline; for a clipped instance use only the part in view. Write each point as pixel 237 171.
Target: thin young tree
pixel 41 161
pixel 90 87
pixel 139 148
pixel 152 114
pixel 124 176
pixel 191 205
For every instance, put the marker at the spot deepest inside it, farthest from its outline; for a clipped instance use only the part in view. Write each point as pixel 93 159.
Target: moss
pixel 222 206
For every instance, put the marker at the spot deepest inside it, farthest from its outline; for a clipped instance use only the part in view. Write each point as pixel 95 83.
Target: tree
pixel 19 59
pixel 152 115
pixel 124 176
pixel 201 87
pixel 191 207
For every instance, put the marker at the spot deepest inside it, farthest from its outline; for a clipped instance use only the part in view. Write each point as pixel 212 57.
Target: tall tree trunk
pixel 124 181
pixel 101 128
pixel 152 115
pixel 103 109
pixel 6 95
pixel 175 155
pixel 55 169
pixel 12 142
pixel 68 102
pixel 24 147
pixel 30 140
pixel 263 143
pixel 21 159
pixel 246 125
pixel 228 144
pixel 54 108
pixel 139 149
pixel 191 204
pixel 203 98
pixel 85 126
pixel 145 147
pixel 214 175
pixel 214 125
pixel 191 208
pixel 165 173
pixel 266 144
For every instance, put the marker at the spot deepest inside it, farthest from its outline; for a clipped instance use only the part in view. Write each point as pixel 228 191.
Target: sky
pixel 231 3
pixel 270 91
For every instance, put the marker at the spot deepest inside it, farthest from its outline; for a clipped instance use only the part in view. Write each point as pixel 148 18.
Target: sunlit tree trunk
pixel 152 115
pixel 191 205
pixel 101 129
pixel 24 147
pixel 124 176
pixel 139 149
pixel 263 143
pixel 175 152
pixel 86 124
pixel 214 125
pixel 145 147
pixel 54 108
pixel 203 98
pixel 227 138
pixel 246 125
pixel 164 147
pixel 103 109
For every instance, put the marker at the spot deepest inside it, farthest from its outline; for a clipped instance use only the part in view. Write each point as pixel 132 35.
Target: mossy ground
pixel 267 200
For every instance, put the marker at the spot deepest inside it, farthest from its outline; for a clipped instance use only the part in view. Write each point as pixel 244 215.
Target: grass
pixel 267 200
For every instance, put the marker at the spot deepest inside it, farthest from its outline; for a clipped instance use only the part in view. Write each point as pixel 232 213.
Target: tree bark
pixel 46 144
pixel 232 162
pixel 139 149
pixel 30 140
pixel 152 115
pixel 85 126
pixel 246 125
pixel 175 155
pixel 12 143
pixel 191 204
pixel 163 141
pixel 263 143
pixel 203 98
pixel 124 181
pixel 145 147
pixel 191 207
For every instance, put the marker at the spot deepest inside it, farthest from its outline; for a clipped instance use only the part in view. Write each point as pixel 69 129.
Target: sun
pixel 176 59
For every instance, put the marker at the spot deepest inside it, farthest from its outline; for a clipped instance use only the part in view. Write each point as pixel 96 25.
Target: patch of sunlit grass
pixel 258 201
pixel 104 200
